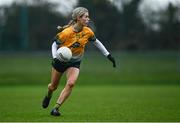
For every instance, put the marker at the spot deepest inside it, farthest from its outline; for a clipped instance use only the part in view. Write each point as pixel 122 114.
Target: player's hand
pixel 55 60
pixel 112 60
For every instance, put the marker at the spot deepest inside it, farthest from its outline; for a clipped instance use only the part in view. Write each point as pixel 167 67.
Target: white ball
pixel 64 54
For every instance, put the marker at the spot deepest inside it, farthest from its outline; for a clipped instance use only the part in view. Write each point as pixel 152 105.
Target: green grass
pixel 144 87
pixel 93 103
pixel 132 68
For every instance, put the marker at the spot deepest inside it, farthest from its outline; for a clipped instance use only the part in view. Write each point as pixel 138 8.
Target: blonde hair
pixel 77 12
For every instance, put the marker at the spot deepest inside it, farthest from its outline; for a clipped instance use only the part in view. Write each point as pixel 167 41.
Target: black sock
pixel 49 94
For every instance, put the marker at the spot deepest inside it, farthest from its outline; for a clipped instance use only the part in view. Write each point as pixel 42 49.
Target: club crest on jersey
pixel 80 35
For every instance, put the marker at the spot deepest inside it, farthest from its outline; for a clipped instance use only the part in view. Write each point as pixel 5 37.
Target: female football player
pixel 75 36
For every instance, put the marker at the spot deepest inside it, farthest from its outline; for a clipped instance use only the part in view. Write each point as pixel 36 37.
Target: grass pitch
pixel 93 103
pixel 144 87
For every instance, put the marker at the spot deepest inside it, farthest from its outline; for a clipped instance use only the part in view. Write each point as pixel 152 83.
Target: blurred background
pixel 137 32
pixel 143 35
pixel 138 25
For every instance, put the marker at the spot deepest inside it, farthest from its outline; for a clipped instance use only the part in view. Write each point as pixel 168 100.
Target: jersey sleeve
pixel 60 37
pixel 92 36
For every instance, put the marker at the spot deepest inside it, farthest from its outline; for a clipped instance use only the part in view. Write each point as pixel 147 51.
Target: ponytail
pixel 61 28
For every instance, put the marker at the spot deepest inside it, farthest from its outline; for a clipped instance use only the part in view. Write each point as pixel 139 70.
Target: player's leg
pixel 55 77
pixel 72 74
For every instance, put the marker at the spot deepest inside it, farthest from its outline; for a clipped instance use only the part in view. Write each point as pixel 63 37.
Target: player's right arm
pixel 54 48
pixel 56 44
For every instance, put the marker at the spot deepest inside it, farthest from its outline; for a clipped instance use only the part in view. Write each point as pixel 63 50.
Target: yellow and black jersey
pixel 76 41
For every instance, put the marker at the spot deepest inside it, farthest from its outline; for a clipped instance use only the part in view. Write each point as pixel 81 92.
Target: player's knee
pixel 70 84
pixel 51 87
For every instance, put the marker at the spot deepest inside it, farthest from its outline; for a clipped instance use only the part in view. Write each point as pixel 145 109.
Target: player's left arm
pixel 103 50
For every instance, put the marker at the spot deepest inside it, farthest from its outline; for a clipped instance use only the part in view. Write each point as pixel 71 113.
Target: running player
pixel 75 36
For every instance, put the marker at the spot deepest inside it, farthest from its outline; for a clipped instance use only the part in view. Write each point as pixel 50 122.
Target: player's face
pixel 84 20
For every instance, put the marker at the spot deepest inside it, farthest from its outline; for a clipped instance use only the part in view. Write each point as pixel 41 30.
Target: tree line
pixel 32 27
